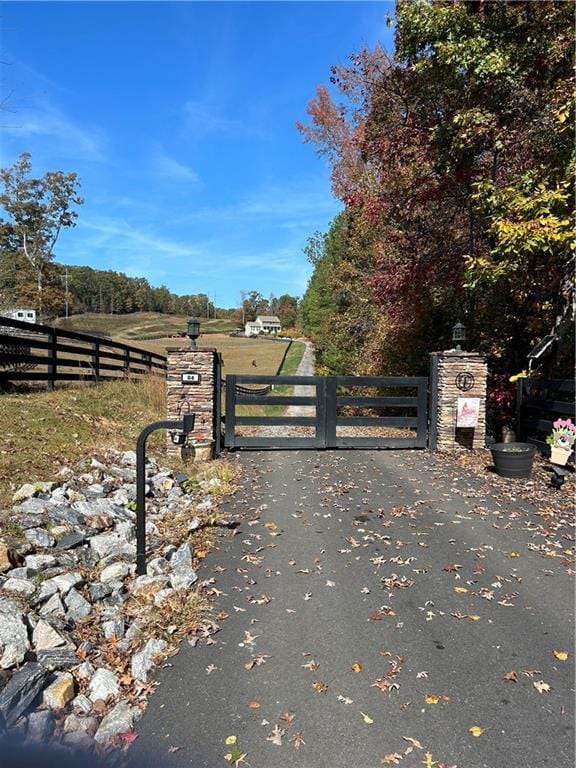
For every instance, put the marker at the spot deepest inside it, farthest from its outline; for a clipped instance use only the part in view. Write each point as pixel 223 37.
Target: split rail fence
pixel 41 353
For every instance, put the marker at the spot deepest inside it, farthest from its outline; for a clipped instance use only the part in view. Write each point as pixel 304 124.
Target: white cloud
pixel 170 168
pixel 44 119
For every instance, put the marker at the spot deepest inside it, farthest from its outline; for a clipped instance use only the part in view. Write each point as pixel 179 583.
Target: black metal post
pixel 185 426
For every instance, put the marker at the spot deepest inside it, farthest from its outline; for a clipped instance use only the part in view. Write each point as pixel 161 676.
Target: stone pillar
pixel 456 374
pixel 193 397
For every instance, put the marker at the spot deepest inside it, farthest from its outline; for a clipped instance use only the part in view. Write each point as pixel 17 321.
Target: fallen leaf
pixel 236 756
pixel 276 736
pixel 414 742
pixel 561 655
pixel 392 758
pixel 541 686
pixel 230 740
pixel 356 667
pixel 128 737
pixel 297 740
pixel 476 731
pixel 200 554
pixel 367 719
pixel 511 677
pixel 319 686
pixel 428 762
pixel 254 705
pixel 288 718
pixel 171 750
pixel 459 589
pixel 431 699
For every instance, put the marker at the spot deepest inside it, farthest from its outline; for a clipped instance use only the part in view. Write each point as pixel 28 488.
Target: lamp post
pixel 193 331
pixel 458 335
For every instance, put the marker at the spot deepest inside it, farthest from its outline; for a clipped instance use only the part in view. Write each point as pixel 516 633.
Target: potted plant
pixel 561 441
pixel 513 459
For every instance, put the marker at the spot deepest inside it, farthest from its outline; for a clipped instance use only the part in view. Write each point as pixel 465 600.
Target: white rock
pixel 85 670
pixel 47 589
pixel 114 572
pixel 144 586
pixel 106 544
pixel 13 635
pixel 183 578
pixel 26 491
pixel 21 587
pixel 118 720
pixel 66 581
pixel 103 684
pixel 143 661
pixel 46 637
pixel 39 562
pixel 53 607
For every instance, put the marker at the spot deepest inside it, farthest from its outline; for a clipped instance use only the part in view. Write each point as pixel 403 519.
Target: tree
pixel 37 210
pixel 454 161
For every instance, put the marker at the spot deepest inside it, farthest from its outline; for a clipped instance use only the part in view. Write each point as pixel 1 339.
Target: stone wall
pixel 449 366
pixel 192 398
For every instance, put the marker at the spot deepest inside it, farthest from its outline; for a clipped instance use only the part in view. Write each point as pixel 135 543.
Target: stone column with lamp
pixel 193 387
pixel 457 396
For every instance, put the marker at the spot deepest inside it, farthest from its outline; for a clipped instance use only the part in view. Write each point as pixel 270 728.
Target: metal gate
pixel 320 416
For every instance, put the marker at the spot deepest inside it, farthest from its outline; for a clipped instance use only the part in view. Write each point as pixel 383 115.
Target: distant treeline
pixel 96 290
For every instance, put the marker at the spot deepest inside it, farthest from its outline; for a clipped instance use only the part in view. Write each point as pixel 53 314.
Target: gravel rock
pixel 35 506
pixel 45 637
pixel 21 587
pixel 107 544
pixel 99 591
pixel 58 658
pixel 147 586
pixel 143 661
pixel 113 628
pixel 85 671
pixel 71 541
pixel 88 725
pixel 5 562
pixel 22 573
pixel 82 704
pixel 40 538
pixel 40 562
pixel 21 690
pixel 126 530
pixel 78 606
pixel 182 557
pixel 13 635
pixel 46 590
pixel 115 572
pixel 158 566
pixel 183 578
pixel 79 741
pixel 103 684
pixel 60 692
pixel 54 607
pixel 25 491
pixel 67 581
pixel 118 720
pixel 40 725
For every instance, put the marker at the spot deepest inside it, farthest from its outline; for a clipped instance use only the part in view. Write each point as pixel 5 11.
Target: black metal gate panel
pixel 322 413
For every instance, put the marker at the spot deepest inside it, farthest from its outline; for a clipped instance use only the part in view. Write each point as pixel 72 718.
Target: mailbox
pixel 191 378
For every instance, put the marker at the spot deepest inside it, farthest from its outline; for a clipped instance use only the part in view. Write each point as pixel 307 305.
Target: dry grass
pixel 138 325
pixel 44 431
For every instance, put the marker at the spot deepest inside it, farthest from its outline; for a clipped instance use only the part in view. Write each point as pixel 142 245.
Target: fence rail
pixel 539 402
pixel 33 352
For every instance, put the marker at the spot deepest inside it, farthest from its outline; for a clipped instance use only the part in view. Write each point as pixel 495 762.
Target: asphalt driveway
pixel 375 608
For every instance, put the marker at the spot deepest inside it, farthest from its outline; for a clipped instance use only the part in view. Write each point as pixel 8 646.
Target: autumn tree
pixel 36 211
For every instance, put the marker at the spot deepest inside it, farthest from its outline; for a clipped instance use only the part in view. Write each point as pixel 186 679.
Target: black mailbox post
pixel 178 432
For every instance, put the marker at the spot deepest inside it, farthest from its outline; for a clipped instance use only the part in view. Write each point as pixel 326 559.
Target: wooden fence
pixel 539 403
pixel 40 353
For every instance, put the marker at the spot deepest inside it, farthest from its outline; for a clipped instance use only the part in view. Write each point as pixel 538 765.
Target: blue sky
pixel 180 120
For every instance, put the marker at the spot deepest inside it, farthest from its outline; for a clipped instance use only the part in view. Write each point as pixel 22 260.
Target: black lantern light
pixel 193 331
pixel 458 335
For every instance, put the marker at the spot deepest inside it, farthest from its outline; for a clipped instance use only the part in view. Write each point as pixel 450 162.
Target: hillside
pixel 139 325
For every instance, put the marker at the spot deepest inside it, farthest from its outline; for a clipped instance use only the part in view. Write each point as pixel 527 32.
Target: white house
pixel 264 324
pixel 25 315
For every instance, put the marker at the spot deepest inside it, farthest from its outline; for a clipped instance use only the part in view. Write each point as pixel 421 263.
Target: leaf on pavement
pixel 254 705
pixel 230 740
pixel 541 686
pixel 561 655
pixel 428 762
pixel 297 740
pixel 476 731
pixel 319 686
pixel 356 667
pixel 367 719
pixel 392 758
pixel 288 718
pixel 236 756
pixel 276 736
pixel 511 677
pixel 431 698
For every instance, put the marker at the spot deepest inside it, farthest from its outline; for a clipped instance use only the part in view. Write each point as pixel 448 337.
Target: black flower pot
pixel 513 459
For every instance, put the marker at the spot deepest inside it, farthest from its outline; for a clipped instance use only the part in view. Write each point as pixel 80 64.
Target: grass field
pixel 139 325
